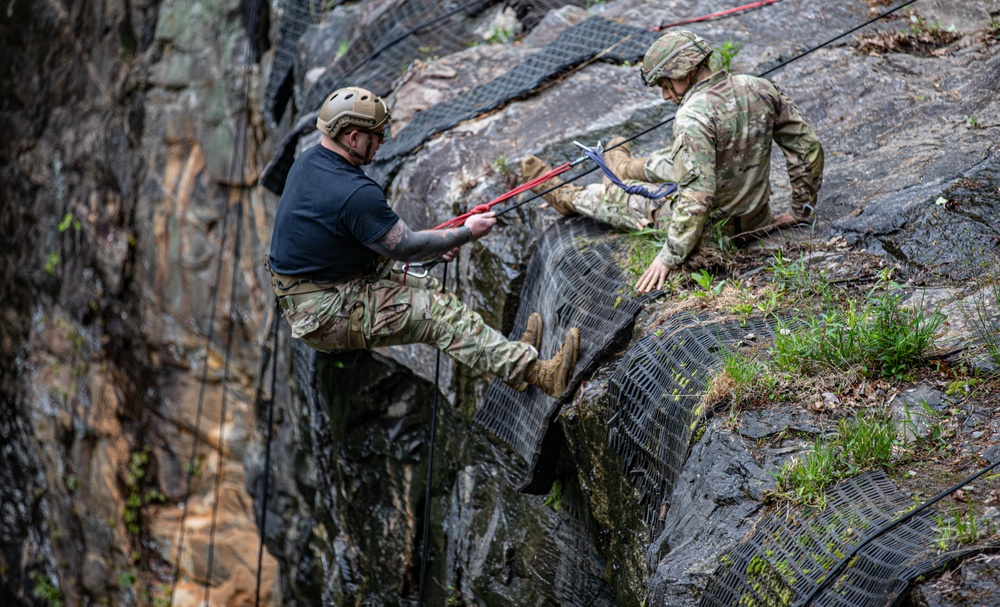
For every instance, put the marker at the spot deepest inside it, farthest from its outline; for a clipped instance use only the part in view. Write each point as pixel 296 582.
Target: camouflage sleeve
pixel 803 156
pixel 693 159
pixel 659 166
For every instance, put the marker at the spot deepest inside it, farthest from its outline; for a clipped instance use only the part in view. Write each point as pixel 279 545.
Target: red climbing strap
pixel 745 7
pixel 482 208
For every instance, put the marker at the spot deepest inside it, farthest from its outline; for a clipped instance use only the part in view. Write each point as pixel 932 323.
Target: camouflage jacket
pixel 721 156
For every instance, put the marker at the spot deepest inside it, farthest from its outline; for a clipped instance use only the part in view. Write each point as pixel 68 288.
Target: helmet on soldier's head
pixel 674 55
pixel 352 106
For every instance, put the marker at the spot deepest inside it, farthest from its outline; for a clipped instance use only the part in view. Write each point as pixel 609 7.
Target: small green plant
pixel 973 122
pixel 554 498
pixel 499 35
pixel 643 246
pixel 51 264
pixel 709 288
pixel 751 378
pixel 960 529
pixel 723 56
pixel 993 27
pixel 45 590
pixel 500 165
pixel 882 338
pixel 342 48
pixel 68 221
pixel 985 325
pixel 797 278
pixel 861 443
pixel 135 500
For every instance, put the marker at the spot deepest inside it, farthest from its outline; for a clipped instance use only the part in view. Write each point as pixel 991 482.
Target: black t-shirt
pixel 328 212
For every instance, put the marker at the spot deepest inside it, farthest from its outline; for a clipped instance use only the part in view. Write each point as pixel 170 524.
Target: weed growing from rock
pixel 863 442
pixel 878 337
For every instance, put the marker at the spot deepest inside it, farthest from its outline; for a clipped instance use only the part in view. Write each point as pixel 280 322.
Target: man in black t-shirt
pixel 332 248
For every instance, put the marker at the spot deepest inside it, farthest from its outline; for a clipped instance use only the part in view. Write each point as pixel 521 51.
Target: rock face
pixel 136 353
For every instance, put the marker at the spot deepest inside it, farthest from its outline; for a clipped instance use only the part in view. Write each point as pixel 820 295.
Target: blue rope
pixel 597 155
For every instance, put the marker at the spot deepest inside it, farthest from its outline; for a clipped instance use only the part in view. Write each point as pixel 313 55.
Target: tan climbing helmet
pixel 674 55
pixel 352 106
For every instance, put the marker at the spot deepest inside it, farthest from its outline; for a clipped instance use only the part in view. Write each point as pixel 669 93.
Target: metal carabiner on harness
pixel 422 268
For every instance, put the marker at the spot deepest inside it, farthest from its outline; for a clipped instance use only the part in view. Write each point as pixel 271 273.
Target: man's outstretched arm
pixel 400 243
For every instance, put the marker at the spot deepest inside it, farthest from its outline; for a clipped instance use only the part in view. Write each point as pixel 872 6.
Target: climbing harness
pixel 596 154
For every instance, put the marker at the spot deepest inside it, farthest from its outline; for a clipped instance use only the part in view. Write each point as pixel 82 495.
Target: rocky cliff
pixel 137 343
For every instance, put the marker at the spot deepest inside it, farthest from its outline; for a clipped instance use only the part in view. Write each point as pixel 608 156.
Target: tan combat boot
pixel 561 198
pixel 553 375
pixel 621 162
pixel 533 334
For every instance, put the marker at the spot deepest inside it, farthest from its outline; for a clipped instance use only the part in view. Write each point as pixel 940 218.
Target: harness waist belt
pixel 298 285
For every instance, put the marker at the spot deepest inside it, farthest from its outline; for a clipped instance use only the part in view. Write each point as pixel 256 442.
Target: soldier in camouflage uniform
pixel 330 261
pixel 720 159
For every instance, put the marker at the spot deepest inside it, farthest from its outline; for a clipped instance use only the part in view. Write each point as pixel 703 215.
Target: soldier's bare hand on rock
pixel 654 277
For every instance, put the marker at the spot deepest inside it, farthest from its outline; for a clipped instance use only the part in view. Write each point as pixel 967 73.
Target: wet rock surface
pixel 116 188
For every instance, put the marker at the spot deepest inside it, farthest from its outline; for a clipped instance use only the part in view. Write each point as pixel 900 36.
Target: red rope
pixel 482 208
pixel 745 7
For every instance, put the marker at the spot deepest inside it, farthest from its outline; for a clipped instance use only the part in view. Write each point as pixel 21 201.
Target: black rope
pixel 671 119
pixel 225 400
pixel 835 572
pixel 236 167
pixel 198 411
pixel 425 549
pixel 267 448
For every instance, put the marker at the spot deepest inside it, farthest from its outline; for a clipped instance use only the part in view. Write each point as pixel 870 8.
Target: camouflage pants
pixel 374 312
pixel 611 205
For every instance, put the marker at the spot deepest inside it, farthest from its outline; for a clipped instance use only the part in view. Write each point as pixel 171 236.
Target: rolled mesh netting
pixel 572 281
pixel 786 555
pixel 583 42
pixel 655 392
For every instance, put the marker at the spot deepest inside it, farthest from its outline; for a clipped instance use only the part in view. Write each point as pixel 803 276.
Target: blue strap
pixel 597 155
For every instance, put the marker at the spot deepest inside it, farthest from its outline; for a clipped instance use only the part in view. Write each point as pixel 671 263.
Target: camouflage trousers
pixel 611 205
pixel 373 312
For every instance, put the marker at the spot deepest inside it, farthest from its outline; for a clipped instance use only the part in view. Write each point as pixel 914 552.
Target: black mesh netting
pixel 592 38
pixel 786 556
pixel 572 281
pixel 580 43
pixel 655 392
pixel 367 46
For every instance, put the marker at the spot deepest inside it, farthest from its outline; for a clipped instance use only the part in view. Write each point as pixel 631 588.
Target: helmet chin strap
pixel 692 80
pixel 363 159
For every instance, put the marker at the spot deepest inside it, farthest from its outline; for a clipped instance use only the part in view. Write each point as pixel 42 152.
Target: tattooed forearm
pixel 403 244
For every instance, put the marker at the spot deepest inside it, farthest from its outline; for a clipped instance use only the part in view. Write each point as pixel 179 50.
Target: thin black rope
pixel 425 549
pixel 844 562
pixel 671 119
pixel 196 431
pixel 267 448
pixel 225 392
pixel 236 168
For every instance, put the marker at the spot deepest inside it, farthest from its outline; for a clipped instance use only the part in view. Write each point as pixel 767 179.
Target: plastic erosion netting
pixel 785 556
pixel 592 38
pixel 572 281
pixel 372 44
pixel 655 392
